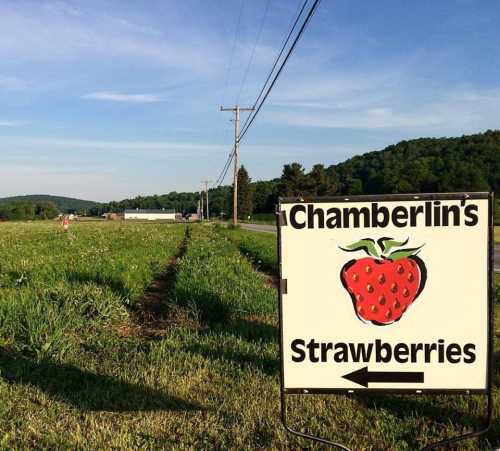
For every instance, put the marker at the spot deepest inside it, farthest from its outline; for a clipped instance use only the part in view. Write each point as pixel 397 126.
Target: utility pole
pixel 206 182
pixel 201 206
pixel 236 110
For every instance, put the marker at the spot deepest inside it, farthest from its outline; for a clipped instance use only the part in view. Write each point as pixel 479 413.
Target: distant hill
pixel 64 204
pixel 466 163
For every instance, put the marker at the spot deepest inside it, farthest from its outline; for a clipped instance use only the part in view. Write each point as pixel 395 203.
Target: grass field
pixel 155 336
pixel 260 248
pixel 497 234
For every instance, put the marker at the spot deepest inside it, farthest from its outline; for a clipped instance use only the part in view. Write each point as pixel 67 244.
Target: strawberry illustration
pixel 383 285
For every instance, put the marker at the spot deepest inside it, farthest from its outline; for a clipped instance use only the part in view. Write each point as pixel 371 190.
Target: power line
pixel 257 39
pixel 293 24
pixel 290 51
pixel 262 97
pixel 223 173
pixel 230 64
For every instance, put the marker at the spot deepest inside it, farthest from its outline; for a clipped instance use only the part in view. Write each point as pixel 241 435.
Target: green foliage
pixel 46 210
pixel 260 248
pixel 468 163
pixel 18 211
pixel 220 201
pixel 293 181
pixel 54 283
pixel 214 279
pixel 264 196
pixel 63 204
pixel 245 194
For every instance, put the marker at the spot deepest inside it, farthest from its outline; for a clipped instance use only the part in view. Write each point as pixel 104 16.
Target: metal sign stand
pixel 282 287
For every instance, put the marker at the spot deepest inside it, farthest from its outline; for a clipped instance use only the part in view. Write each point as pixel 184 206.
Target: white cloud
pixel 114 96
pixel 55 32
pixel 6 123
pixel 373 118
pixel 465 110
pixel 160 148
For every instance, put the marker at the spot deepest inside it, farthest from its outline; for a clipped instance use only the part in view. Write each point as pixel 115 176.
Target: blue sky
pixel 109 99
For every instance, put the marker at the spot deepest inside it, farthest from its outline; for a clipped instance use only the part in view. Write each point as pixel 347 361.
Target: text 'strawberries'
pixel 383 285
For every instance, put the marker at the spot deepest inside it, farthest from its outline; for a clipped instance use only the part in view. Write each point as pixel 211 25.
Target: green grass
pixel 497 234
pixel 54 284
pixel 263 218
pixel 216 281
pixel 260 248
pixel 210 381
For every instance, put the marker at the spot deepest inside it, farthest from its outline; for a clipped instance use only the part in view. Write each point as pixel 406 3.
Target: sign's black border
pixel 392 198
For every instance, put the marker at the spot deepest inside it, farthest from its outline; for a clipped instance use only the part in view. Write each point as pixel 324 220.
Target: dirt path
pixel 156 309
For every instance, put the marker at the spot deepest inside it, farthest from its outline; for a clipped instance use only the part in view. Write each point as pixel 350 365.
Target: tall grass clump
pixel 56 287
pixel 260 248
pixel 215 279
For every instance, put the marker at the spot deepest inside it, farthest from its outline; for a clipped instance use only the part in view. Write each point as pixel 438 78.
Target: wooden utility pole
pixel 201 205
pixel 236 109
pixel 206 182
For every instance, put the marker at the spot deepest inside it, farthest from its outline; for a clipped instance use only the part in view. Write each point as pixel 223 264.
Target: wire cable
pixel 226 80
pixel 290 32
pixel 250 61
pixel 290 51
pixel 293 25
pixel 223 173
pixel 230 64
pixel 262 97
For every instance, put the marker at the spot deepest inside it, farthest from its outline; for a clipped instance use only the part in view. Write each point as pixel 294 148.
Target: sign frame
pixel 282 289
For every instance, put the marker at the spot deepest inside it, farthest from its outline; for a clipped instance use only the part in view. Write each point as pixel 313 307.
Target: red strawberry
pixel 383 286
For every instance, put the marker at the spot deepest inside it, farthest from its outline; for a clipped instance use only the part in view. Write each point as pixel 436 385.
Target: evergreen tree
pixel 265 196
pixel 293 181
pixel 245 194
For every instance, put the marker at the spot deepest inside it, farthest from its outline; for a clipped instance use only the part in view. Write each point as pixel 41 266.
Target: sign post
pixel 386 294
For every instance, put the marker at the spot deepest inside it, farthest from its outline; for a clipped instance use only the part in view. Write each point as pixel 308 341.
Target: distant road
pixel 272 229
pixel 259 227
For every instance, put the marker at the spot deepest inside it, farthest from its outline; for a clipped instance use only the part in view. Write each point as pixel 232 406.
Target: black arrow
pixel 363 376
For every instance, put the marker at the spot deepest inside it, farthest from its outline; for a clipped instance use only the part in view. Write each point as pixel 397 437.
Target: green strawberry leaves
pixel 366 244
pixel 386 244
pixel 403 253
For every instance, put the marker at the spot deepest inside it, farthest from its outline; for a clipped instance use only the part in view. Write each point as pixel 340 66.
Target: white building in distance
pixel 151 215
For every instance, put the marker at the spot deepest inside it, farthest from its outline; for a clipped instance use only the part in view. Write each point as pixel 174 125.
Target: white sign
pixel 385 293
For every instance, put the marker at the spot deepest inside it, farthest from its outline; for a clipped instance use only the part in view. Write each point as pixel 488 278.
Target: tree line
pixel 25 211
pixel 467 163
